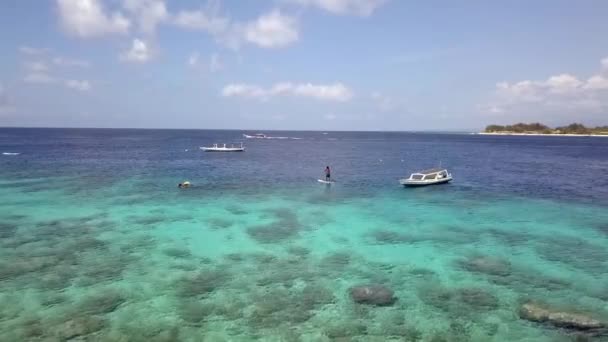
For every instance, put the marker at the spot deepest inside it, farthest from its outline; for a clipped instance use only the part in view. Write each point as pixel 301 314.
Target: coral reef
pixel 373 294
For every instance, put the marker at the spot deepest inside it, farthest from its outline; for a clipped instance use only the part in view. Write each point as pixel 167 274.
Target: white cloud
pixel 597 82
pixel 88 18
pixel 330 92
pixel 560 94
pixel 244 90
pixel 199 20
pixel 524 91
pixel 330 116
pixel 138 53
pixel 535 91
pixel 214 64
pixel 272 30
pixel 83 85
pixel 38 72
pixel 362 8
pixel 563 84
pixel 28 50
pixel 68 62
pixel 605 64
pixel 43 78
pixel 39 78
pixel 36 66
pixel 206 19
pixel 148 13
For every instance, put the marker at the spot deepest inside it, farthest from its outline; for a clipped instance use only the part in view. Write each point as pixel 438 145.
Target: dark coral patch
pixel 285 226
pixel 202 283
pixel 179 253
pixel 573 251
pixel 486 265
pixel 79 326
pixel 566 319
pixel 276 306
pixel 336 260
pixel 236 210
pixel 8 229
pixel 101 302
pixel 148 220
pixel 383 236
pixel 460 302
pixel 194 312
pixel 298 251
pixel 373 294
pixel 219 223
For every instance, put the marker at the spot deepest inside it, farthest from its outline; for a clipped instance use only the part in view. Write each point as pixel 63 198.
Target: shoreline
pixel 543 134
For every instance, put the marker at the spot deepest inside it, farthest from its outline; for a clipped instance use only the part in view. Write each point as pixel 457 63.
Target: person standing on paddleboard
pixel 327 174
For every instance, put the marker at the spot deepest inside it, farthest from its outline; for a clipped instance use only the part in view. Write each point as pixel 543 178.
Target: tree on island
pixel 520 128
pixel 575 128
pixel 538 128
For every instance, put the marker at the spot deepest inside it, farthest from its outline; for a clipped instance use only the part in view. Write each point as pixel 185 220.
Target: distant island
pixel 540 129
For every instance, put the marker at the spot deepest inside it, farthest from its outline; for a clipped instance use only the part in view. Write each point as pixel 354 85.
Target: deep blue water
pixel 567 168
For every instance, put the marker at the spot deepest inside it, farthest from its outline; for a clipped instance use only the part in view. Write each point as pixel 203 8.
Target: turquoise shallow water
pixel 139 260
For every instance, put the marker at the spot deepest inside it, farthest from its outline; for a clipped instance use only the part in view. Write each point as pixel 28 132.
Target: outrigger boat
pixel 427 177
pixel 224 148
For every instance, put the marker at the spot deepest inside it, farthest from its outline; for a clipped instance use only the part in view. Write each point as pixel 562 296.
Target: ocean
pixel 97 242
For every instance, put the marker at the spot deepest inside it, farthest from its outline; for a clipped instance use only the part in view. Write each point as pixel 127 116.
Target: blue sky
pixel 302 64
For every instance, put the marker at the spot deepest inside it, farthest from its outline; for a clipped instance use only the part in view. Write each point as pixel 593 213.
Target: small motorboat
pixel 427 177
pixel 224 148
pixel 267 137
pixel 256 136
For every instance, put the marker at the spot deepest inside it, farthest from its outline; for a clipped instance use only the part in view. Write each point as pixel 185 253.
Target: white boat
pixel 264 136
pixel 427 177
pixel 224 148
pixel 256 136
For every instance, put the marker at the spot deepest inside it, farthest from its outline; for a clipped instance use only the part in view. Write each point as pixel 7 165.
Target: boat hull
pixel 211 149
pixel 413 183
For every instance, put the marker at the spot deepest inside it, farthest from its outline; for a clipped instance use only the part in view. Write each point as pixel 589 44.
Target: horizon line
pixel 247 129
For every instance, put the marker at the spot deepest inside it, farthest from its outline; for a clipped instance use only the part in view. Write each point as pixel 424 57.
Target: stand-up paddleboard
pixel 325 182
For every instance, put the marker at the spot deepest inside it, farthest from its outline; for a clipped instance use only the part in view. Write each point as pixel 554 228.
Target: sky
pixel 303 64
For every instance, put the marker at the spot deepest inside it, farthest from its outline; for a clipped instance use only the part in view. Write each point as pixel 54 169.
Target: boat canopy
pixel 430 171
pixel 231 145
pixel 430 174
pixel 427 177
